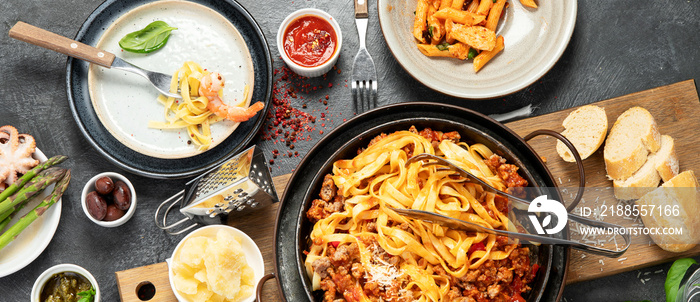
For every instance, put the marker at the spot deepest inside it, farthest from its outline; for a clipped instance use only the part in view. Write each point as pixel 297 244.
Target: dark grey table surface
pixel 617 48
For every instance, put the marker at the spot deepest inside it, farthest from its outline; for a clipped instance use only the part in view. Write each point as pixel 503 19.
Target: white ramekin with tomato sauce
pixel 309 41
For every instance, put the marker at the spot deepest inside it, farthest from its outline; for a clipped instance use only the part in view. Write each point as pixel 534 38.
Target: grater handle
pixel 171 202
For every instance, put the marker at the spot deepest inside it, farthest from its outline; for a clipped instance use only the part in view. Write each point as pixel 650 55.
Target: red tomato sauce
pixel 310 41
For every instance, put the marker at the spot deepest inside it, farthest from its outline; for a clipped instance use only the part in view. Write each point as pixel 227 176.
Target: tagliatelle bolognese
pixel 361 250
pixel 191 112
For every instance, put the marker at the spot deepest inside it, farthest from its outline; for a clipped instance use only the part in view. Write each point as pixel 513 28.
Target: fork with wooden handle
pixel 46 39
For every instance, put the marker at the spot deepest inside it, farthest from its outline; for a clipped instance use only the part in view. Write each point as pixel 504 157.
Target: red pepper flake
pixel 272 162
pixel 285 120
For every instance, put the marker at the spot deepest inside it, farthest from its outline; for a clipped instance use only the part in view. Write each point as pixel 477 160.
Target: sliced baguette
pixel 586 128
pixel 645 180
pixel 631 138
pixel 666 159
pixel 680 192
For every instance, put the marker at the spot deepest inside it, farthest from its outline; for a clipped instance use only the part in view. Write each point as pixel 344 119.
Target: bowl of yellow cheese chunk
pixel 216 263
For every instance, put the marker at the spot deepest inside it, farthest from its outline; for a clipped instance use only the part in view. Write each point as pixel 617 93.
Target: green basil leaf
pixel 151 38
pixel 675 276
pixel 87 296
pixel 472 53
pixel 443 46
pixel 430 31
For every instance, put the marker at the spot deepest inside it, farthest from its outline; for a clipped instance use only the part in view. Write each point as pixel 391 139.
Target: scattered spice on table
pixel 286 122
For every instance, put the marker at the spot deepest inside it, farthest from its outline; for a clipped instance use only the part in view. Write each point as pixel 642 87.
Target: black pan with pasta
pixel 293 227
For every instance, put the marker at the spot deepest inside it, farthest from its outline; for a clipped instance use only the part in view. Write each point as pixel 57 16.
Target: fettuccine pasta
pixel 191 111
pixel 361 250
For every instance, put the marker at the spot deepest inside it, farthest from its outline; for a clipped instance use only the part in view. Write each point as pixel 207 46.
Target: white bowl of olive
pixel 65 282
pixel 109 199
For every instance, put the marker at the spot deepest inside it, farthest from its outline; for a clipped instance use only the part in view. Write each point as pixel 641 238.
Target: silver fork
pixel 364 74
pixel 428 160
pixel 46 39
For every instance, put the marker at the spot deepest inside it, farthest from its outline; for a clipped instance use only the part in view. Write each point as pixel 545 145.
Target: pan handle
pixel 259 289
pixel 577 157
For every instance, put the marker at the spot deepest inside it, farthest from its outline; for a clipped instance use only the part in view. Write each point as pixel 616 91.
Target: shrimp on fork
pixel 210 86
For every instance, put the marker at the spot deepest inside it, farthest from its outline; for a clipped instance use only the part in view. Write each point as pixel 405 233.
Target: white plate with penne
pixel 477 49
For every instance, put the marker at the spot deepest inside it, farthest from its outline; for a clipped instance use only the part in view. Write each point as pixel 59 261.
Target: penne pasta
pixel 473 6
pixel 495 14
pixel 461 29
pixel 448 28
pixel 484 7
pixel 458 16
pixel 445 4
pixel 483 57
pixel 419 21
pixel 529 3
pixel 457 4
pixel 457 50
pixel 436 29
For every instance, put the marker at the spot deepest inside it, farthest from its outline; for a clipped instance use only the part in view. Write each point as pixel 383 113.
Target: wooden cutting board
pixel 675 107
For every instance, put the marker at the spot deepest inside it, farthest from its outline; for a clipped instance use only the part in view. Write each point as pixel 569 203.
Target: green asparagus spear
pixel 6 220
pixel 4 223
pixel 38 183
pixel 29 175
pixel 39 210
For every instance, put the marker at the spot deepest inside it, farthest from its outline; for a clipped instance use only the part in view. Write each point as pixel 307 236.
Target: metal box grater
pixel 238 186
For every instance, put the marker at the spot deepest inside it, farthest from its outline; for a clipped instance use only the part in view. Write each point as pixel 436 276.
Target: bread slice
pixel 666 159
pixel 679 192
pixel 645 180
pixel 631 138
pixel 586 128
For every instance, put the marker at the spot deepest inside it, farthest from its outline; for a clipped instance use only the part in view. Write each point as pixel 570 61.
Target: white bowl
pixel 250 250
pixel 61 268
pixel 90 186
pixel 315 71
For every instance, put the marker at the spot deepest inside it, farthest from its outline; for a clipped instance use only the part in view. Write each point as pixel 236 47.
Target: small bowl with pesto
pixel 65 282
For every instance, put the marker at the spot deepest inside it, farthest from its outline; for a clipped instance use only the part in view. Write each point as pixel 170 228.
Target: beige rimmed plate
pixel 534 41
pixel 125 102
pixel 36 237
